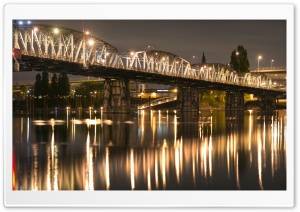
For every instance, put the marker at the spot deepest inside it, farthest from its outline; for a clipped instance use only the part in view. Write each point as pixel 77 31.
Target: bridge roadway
pixel 43 47
pixel 147 77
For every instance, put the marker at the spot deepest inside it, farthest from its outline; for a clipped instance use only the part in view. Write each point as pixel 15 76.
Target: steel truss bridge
pixel 44 47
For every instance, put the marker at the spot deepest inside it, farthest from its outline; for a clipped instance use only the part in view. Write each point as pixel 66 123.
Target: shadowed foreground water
pixel 150 150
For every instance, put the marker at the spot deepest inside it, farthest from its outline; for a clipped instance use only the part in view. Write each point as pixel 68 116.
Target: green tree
pixel 239 60
pixel 203 58
pixel 38 85
pixel 63 84
pixel 45 84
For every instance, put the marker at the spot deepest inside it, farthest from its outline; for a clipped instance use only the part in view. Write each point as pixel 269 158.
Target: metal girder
pixel 68 45
pixel 64 44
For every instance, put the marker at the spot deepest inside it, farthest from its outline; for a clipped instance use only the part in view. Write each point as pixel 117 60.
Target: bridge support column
pixel 116 96
pixel 267 102
pixel 188 99
pixel 234 101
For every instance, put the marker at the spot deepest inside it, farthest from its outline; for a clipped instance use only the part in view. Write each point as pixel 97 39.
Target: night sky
pixel 186 38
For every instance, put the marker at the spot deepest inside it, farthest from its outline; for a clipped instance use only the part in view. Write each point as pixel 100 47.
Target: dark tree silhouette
pixel 45 84
pixel 38 85
pixel 53 92
pixel 63 84
pixel 203 58
pixel 239 60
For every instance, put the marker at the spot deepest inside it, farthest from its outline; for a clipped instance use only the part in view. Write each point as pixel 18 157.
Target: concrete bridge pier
pixel 234 101
pixel 116 96
pixel 188 99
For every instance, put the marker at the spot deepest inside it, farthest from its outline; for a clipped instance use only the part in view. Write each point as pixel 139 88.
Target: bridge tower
pixel 234 101
pixel 187 99
pixel 116 96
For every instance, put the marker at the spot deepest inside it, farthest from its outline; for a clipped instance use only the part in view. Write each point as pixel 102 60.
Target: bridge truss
pixel 67 45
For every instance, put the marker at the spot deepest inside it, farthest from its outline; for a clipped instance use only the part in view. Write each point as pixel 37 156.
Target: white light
pixel 55 30
pixel 28 22
pixel 131 53
pixel 35 29
pixel 87 32
pixel 21 22
pixel 91 42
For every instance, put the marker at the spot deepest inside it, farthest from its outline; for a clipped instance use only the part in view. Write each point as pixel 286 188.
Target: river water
pixel 150 150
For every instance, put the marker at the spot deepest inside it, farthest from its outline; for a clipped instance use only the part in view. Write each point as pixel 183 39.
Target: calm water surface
pixel 150 150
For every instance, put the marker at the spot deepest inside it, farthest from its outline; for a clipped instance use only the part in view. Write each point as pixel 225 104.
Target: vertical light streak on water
pixel 142 126
pixel 107 168
pixel 163 163
pixel 52 153
pixel 35 185
pixel 87 160
pixel 228 159
pixel 21 129
pixel 194 171
pixel 73 129
pixel 181 154
pixel 177 162
pixel 175 129
pixel 278 130
pixel 132 170
pixel 55 186
pixel 284 136
pixel 210 148
pixel 237 172
pixel 149 178
pixel 67 118
pixel 95 134
pixel 156 169
pixel 159 118
pixel 91 170
pixel 167 120
pixel 272 149
pixel 204 149
pixel 48 176
pixel 28 129
pixel 153 127
pixel 250 136
pixel 264 145
pixel 259 161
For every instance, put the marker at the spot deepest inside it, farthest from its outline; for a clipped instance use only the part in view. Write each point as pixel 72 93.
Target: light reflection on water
pixel 151 150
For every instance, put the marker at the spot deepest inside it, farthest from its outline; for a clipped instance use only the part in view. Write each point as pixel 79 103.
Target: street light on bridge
pixel 259 57
pixel 272 63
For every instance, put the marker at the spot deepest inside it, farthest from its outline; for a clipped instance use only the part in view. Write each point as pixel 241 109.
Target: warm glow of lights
pixel 131 53
pixel 259 57
pixel 87 32
pixel 163 163
pixel 91 42
pixel 149 178
pixel 36 29
pixel 132 170
pixel 107 168
pixel 156 170
pixel 55 178
pixel 210 147
pixel 259 161
pixel 56 30
pixel 177 163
